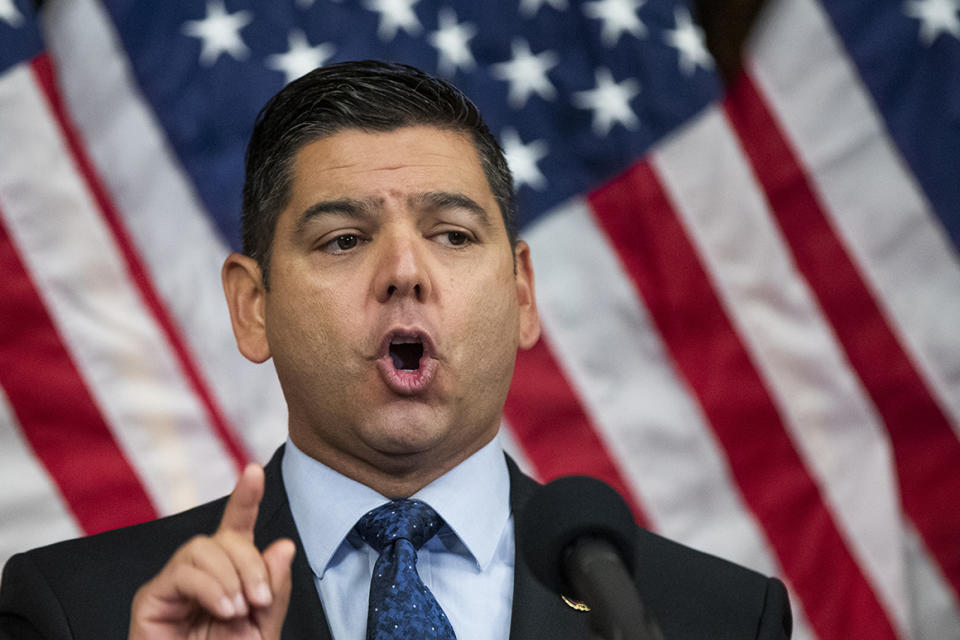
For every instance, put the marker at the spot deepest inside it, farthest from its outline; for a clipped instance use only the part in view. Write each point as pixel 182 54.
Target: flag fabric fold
pixel 749 293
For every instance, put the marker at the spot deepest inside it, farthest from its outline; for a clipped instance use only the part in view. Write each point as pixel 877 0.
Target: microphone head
pixel 561 512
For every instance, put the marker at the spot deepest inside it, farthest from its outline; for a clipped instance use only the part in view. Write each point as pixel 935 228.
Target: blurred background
pixel 744 219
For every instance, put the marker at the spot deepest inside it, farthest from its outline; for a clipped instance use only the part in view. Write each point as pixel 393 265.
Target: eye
pixel 457 238
pixel 454 238
pixel 346 242
pixel 342 243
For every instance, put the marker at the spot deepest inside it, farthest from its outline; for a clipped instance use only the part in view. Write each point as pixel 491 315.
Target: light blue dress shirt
pixel 468 565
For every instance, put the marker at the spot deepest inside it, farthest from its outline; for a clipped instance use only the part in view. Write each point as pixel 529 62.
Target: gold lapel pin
pixel 575 604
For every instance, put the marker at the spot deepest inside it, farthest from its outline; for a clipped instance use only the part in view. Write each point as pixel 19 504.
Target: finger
pixel 240 514
pixel 278 557
pixel 247 563
pixel 211 556
pixel 186 584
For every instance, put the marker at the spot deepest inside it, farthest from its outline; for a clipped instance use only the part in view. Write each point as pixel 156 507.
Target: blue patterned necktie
pixel 401 606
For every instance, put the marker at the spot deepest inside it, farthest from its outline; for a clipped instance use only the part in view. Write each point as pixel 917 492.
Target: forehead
pixel 386 164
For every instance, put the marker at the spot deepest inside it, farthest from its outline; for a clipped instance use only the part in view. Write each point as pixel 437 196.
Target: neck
pixel 391 475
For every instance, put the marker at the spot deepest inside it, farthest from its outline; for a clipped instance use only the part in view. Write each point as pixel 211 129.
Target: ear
pixel 246 299
pixel 529 318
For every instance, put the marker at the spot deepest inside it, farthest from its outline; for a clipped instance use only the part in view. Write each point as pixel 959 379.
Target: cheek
pixel 492 330
pixel 307 326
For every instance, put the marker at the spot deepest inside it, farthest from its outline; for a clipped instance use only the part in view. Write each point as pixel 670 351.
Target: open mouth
pixel 406 353
pixel 408 361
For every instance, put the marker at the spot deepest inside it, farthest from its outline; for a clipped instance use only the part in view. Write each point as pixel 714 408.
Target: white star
pixel 395 15
pixel 530 8
pixel 610 102
pixel 451 41
pixel 527 74
pixel 936 17
pixel 687 38
pixel 10 14
pixel 523 160
pixel 618 16
pixel 300 58
pixel 219 32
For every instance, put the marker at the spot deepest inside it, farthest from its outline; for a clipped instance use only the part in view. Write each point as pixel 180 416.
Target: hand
pixel 220 586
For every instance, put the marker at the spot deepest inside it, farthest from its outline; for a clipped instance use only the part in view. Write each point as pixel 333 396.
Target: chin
pixel 407 441
pixel 406 433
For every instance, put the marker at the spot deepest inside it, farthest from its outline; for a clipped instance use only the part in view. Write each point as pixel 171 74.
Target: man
pixel 383 275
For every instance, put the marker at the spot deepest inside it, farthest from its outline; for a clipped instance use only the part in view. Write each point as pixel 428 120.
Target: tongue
pixel 406 356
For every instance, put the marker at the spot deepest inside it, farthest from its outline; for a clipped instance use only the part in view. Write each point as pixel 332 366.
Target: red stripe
pixel 650 240
pixel 44 73
pixel 926 450
pixel 553 429
pixel 56 412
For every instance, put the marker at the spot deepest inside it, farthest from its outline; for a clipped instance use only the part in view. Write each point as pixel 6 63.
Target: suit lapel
pixel 305 618
pixel 537 611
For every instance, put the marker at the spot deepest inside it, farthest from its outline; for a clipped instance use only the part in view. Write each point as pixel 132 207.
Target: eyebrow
pixel 445 200
pixel 345 207
pixel 366 209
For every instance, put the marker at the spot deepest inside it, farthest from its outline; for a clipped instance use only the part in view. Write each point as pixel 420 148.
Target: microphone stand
pixel 599 577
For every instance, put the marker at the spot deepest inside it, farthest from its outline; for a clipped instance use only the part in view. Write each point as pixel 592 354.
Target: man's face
pixel 394 313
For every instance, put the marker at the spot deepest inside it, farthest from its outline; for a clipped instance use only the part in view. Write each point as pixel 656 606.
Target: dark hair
pixel 366 95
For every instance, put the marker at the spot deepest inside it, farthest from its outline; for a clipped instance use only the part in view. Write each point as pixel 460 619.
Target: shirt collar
pixel 473 498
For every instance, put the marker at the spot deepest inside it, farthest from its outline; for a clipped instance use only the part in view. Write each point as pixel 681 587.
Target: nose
pixel 402 270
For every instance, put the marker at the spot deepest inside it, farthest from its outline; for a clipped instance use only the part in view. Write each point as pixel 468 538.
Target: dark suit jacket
pixel 82 589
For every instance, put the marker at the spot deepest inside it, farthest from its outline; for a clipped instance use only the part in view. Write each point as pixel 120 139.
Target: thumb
pixel 278 557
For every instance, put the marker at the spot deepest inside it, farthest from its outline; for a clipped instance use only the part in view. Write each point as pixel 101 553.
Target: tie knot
pixel 411 520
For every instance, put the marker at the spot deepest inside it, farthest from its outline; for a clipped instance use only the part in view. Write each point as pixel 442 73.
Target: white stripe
pixel 173 234
pixel 825 410
pixel 33 510
pixel 874 201
pixel 83 281
pixel 934 612
pixel 616 362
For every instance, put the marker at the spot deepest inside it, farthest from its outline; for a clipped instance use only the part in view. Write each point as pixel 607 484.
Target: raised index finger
pixel 240 514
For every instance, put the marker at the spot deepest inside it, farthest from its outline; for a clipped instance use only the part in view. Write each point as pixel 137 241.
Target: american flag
pixel 750 295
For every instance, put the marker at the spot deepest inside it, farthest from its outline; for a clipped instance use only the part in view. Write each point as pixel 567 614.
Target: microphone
pixel 577 536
